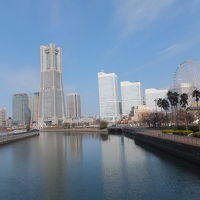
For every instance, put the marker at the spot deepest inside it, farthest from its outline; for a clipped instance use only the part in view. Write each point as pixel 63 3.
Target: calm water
pixel 60 166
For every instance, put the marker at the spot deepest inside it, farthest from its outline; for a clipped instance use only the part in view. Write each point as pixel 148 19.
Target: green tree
pixel 163 104
pixel 173 98
pixel 184 103
pixel 103 124
pixel 196 95
pixel 159 103
pixel 28 127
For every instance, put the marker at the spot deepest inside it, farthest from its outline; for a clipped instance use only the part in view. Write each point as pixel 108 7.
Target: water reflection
pixel 93 166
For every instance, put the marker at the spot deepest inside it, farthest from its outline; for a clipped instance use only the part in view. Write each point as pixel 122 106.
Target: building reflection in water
pixel 53 161
pixel 75 143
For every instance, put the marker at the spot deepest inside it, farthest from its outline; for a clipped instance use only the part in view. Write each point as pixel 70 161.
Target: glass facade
pixel 131 95
pixel 108 97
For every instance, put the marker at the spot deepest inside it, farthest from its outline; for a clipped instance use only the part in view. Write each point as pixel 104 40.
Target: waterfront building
pixel 3 117
pixel 73 105
pixel 34 107
pixel 52 106
pixel 152 95
pixel 131 95
pixel 108 97
pixel 138 111
pixel 21 113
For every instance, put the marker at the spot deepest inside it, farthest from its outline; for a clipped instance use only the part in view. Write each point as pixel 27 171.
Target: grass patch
pixel 169 131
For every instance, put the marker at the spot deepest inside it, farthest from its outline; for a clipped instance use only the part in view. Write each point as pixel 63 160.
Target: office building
pixel 52 106
pixel 3 117
pixel 152 95
pixel 108 97
pixel 34 107
pixel 131 96
pixel 21 113
pixel 73 105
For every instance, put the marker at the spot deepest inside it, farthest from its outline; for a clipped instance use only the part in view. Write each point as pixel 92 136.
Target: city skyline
pixel 162 41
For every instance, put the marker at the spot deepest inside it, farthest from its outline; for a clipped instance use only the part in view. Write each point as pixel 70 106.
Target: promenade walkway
pixel 189 140
pixel 13 138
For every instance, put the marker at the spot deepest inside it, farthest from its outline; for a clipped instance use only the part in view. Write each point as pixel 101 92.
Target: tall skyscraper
pixel 131 96
pixel 34 107
pixel 153 94
pixel 108 97
pixel 52 106
pixel 21 113
pixel 3 117
pixel 73 105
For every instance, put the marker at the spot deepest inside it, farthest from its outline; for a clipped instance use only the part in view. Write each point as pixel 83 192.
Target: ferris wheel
pixel 188 72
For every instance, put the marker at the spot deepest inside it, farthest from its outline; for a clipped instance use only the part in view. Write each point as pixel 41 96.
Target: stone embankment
pixel 185 147
pixel 13 138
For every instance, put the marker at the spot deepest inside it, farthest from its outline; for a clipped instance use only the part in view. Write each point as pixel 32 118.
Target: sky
pixel 139 40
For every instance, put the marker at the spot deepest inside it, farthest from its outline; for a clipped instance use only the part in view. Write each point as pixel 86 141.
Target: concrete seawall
pixel 188 152
pixel 14 138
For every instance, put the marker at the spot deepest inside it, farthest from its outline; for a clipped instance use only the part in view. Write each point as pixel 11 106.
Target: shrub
pixel 168 131
pixel 197 134
pixel 28 128
pixel 193 128
pixel 182 132
pixel 103 124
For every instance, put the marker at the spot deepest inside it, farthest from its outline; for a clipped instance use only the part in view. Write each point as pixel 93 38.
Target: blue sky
pixel 140 40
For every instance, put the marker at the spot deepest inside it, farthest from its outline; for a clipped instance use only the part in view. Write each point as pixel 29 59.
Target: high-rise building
pixel 34 107
pixel 108 97
pixel 73 105
pixel 151 95
pixel 131 96
pixel 21 113
pixel 52 106
pixel 3 117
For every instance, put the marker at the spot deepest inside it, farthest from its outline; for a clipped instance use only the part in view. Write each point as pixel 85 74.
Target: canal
pixel 93 166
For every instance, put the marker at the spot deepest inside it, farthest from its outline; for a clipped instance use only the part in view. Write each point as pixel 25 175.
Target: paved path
pixel 189 140
pixel 13 138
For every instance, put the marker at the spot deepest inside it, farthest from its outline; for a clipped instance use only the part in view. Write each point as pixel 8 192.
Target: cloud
pixel 169 49
pixel 134 15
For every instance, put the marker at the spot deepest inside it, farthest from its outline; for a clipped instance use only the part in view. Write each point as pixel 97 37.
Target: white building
pixel 34 107
pixel 153 94
pixel 3 117
pixel 73 105
pixel 52 106
pixel 131 95
pixel 187 88
pixel 108 97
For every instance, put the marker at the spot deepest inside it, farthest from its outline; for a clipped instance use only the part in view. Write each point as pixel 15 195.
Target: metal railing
pixel 189 140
